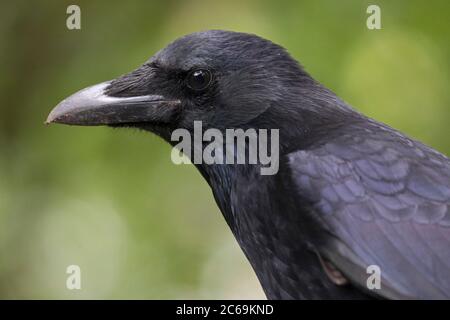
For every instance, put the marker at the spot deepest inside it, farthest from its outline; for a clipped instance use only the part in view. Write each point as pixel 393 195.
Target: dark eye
pixel 199 79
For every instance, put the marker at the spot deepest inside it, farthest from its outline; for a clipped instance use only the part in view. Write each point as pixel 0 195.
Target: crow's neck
pixel 269 227
pixel 306 115
pixel 222 179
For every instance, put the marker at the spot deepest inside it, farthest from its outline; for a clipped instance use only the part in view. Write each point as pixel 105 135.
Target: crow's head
pixel 225 79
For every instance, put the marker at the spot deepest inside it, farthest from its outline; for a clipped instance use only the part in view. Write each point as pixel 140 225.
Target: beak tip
pixel 48 121
pixel 66 111
pixel 51 118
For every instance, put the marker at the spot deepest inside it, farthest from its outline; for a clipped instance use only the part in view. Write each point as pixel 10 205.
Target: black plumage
pixel 350 191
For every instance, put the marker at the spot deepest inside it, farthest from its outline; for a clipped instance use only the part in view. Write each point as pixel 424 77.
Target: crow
pixel 353 201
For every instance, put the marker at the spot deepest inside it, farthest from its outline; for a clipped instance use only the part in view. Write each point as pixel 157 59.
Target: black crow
pixel 352 195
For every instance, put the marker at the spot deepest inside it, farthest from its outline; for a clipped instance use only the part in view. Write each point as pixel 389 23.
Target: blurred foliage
pixel 110 200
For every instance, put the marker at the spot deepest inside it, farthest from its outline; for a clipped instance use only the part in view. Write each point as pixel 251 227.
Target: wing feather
pixel 385 198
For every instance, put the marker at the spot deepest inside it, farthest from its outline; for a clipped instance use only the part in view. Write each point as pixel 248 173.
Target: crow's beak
pixel 91 107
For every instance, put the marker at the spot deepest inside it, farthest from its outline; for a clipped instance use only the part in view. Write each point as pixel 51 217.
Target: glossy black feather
pixel 387 199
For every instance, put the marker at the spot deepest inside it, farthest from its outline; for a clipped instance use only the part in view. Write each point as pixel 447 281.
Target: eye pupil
pixel 199 79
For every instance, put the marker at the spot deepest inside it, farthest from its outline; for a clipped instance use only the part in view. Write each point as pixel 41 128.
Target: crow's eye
pixel 199 79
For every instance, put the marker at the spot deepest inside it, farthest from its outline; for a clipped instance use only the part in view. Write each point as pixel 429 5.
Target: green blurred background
pixel 111 201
